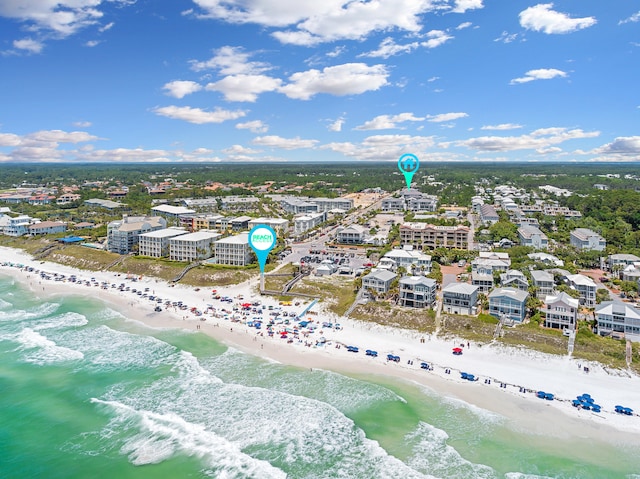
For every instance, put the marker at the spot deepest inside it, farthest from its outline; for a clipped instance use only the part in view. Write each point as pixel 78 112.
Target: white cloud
pixel 92 43
pixel 388 122
pixel 632 19
pixel 244 87
pixel 388 47
pixel 82 124
pixel 254 126
pixel 62 17
pixel 536 140
pixel 464 25
pixel 336 125
pixel 273 141
pixel 9 139
pixel 436 38
pixel 464 5
pixel 229 60
pixel 314 22
pixel 181 88
pixel 28 44
pixel 540 74
pixel 197 115
pixel 240 150
pixel 506 37
pixel 383 147
pixel 58 136
pixel 622 146
pixel 541 18
pixel 502 126
pixel 340 80
pixel 446 117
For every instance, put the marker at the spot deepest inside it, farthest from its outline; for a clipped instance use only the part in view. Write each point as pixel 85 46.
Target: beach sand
pixel 522 371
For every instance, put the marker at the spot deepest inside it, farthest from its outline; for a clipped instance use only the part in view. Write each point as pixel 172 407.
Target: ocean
pixel 86 393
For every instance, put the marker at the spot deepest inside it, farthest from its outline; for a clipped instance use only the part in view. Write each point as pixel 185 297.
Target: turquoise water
pixel 86 393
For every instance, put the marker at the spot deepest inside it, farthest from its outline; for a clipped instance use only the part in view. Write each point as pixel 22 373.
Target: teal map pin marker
pixel 408 165
pixel 262 239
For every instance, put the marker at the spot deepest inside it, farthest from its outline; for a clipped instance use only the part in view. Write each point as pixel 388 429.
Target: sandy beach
pixel 508 377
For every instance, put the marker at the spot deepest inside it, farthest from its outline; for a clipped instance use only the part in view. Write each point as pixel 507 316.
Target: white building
pixel 123 235
pixel 280 225
pixel 47 227
pixel 411 260
pixel 234 250
pixel 586 239
pixel 17 226
pixel 378 280
pixel 586 287
pixel 156 243
pixel 561 311
pixel 544 283
pixel 172 213
pixel 619 320
pixel 417 292
pixel 459 298
pixel 354 234
pixel 302 224
pixel 193 246
pixel 532 236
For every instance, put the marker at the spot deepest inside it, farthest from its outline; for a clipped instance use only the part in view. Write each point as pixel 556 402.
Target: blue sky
pixel 319 80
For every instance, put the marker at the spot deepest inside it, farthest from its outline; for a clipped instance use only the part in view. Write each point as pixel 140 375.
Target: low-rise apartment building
pixel 423 235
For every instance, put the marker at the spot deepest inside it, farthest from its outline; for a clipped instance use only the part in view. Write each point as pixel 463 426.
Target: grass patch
pixel 383 313
pixel 337 293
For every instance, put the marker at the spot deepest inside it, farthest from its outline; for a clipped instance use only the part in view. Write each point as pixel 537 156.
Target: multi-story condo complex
pixel 417 292
pixel 123 235
pixel 279 225
pixel 304 223
pixel 193 246
pixel 156 243
pixel 423 235
pixel 234 250
pixel 586 239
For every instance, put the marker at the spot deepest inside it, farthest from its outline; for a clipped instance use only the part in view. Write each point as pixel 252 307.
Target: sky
pixel 319 80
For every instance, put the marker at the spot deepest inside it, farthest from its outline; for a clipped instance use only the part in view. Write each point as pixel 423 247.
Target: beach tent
pixel 457 351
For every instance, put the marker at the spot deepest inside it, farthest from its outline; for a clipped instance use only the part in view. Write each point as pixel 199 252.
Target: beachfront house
pixel 586 287
pixel 17 226
pixel 483 281
pixel 561 311
pixel 123 235
pixel 619 320
pixel 533 237
pixel 234 250
pixel 378 280
pixel 508 303
pixel 47 227
pixel 587 240
pixel 459 298
pixel 543 282
pixel 417 292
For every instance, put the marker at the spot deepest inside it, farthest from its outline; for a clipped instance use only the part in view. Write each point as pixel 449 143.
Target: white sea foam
pixel 5 304
pixel 40 311
pixel 520 475
pixel 65 320
pixel 40 350
pixel 156 437
pixel 430 452
pixel 109 349
pixel 344 393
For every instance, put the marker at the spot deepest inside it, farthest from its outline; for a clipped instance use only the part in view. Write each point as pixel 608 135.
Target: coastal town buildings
pixel 509 304
pixel 561 311
pixel 234 250
pixel 192 246
pixel 123 235
pixel 424 235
